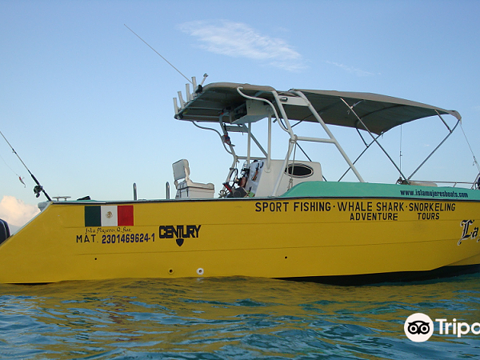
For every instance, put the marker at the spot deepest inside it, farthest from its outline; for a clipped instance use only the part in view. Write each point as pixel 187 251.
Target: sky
pixel 88 106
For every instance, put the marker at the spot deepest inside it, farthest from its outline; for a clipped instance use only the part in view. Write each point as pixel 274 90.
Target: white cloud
pixel 15 212
pixel 240 40
pixel 351 69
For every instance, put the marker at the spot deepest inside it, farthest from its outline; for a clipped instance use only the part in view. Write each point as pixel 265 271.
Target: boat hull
pixel 324 236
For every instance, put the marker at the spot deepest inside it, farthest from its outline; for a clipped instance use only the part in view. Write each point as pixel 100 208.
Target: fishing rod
pixel 197 89
pixel 168 62
pixel 38 188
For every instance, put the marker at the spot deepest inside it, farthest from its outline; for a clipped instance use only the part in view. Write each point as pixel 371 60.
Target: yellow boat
pixel 274 218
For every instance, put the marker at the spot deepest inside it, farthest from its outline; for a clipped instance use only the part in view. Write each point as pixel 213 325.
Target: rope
pixel 466 139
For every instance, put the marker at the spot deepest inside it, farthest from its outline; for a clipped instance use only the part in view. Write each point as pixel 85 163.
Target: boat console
pixel 258 178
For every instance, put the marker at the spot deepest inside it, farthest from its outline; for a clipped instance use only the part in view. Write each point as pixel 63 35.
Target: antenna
pixel 168 62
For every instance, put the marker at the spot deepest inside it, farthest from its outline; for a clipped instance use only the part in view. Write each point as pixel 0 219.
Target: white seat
pixel 187 188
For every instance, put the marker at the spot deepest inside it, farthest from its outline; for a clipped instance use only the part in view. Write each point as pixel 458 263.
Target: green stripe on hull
pixel 368 190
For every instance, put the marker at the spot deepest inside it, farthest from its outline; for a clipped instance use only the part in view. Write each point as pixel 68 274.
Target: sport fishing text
pixel 284 206
pixel 361 210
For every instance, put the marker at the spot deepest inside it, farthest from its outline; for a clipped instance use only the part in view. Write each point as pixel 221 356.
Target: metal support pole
pixel 249 142
pixel 269 149
pixel 291 143
pixel 330 134
pixel 434 150
pixel 373 137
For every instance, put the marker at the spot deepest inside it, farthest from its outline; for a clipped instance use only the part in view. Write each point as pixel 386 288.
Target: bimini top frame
pixel 236 106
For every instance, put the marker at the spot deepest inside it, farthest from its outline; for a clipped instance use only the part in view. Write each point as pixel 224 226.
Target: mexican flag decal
pixel 111 215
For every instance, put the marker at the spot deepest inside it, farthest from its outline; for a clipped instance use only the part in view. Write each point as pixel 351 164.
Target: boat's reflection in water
pixel 229 317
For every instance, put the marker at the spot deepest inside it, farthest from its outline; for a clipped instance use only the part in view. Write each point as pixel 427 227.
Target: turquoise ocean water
pixel 233 318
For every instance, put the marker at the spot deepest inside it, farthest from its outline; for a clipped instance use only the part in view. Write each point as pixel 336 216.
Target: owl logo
pixel 418 327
